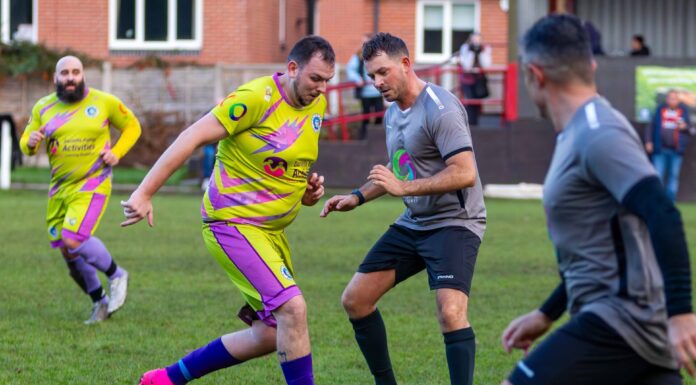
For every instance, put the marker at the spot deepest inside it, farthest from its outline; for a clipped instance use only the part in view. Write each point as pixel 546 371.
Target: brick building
pixel 248 31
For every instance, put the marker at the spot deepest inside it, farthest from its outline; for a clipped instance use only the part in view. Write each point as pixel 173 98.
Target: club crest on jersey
pixel 91 111
pixel 316 122
pixel 72 221
pixel 237 111
pixel 53 146
pixel 403 166
pixel 275 166
pixel 286 273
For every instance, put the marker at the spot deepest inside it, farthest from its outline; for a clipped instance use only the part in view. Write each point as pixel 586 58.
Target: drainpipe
pixel 375 17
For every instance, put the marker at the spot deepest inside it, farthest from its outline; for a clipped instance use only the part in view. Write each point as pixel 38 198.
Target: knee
pixel 294 311
pixel 71 243
pixel 452 316
pixel 354 306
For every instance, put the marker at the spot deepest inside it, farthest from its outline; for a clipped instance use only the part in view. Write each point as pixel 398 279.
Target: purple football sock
pixel 298 371
pixel 84 274
pixel 200 362
pixel 96 254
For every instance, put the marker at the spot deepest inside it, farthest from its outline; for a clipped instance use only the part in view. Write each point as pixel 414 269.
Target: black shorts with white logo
pixel 448 254
pixel 586 350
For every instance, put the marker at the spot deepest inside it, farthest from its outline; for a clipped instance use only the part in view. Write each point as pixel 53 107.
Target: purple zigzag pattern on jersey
pixel 283 138
pixel 43 110
pixel 228 182
pixel 261 220
pixel 105 123
pixel 55 170
pixel 270 110
pixel 221 201
pixel 93 183
pixel 59 182
pixel 57 122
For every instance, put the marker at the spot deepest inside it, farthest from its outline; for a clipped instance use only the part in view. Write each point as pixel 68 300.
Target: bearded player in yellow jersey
pixel 268 131
pixel 74 122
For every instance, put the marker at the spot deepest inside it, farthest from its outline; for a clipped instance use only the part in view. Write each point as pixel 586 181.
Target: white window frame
pixel 5 22
pixel 422 57
pixel 139 42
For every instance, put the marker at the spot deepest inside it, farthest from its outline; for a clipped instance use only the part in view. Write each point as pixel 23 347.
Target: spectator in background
pixel 473 57
pixel 370 98
pixel 595 38
pixel 638 47
pixel 666 139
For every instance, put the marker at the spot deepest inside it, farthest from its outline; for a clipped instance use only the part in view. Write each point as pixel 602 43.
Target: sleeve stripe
pixel 457 151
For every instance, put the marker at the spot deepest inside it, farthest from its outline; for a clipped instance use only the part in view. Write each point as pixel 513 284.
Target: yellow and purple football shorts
pixel 258 263
pixel 74 216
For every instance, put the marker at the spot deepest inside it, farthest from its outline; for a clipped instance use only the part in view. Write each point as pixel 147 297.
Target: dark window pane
pixel 459 38
pixel 184 19
pixel 432 41
pixel 156 20
pixel 20 13
pixel 125 22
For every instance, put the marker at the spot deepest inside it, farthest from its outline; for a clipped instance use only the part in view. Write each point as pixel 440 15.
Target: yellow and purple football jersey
pixel 75 134
pixel 262 166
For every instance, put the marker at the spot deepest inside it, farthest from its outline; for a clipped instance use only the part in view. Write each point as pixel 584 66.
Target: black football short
pixel 587 351
pixel 448 254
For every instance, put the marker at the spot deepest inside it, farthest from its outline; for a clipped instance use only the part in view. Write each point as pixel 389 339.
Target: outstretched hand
pixel 523 331
pixel 339 203
pixel 136 208
pixel 682 336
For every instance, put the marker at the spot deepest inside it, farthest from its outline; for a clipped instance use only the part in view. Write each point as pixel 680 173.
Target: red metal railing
pixel 338 120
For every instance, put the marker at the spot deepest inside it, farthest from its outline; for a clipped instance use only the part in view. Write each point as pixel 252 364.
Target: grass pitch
pixel 180 299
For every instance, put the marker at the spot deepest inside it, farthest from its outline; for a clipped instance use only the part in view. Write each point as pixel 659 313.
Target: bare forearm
pixel 452 178
pixel 170 161
pixel 371 191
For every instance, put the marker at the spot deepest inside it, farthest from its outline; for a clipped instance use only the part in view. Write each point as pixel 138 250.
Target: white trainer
pixel 118 289
pixel 99 312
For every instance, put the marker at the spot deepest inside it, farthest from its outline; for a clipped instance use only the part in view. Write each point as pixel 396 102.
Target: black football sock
pixel 371 336
pixel 460 347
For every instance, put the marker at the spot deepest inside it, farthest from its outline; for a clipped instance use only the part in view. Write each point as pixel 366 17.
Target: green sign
pixel 652 84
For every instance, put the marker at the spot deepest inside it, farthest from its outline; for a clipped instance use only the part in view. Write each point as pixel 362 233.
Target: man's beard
pixel 296 90
pixel 70 96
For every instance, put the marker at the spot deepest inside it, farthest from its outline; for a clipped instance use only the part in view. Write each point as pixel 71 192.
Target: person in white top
pixel 474 56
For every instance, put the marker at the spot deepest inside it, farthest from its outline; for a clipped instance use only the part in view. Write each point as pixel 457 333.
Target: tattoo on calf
pixel 282 356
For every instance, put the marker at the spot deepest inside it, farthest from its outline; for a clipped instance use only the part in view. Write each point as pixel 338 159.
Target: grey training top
pixel 604 252
pixel 419 141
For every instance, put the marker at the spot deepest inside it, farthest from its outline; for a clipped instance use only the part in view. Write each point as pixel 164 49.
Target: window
pixel 442 26
pixel 155 24
pixel 17 20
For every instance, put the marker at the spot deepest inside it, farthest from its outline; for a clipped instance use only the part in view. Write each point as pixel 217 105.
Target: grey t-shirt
pixel 604 252
pixel 419 141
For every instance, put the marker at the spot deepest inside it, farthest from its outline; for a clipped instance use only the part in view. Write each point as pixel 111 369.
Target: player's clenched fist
pixel 35 138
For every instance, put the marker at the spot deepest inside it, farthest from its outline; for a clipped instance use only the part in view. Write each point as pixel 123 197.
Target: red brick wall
pixel 398 17
pixel 246 31
pixel 494 29
pixel 76 24
pixel 343 23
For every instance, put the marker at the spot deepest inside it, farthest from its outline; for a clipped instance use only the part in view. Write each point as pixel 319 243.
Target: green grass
pixel 180 299
pixel 122 175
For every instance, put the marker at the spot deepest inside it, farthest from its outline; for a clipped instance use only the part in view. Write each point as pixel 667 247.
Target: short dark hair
pixel 640 39
pixel 303 51
pixel 561 47
pixel 391 45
